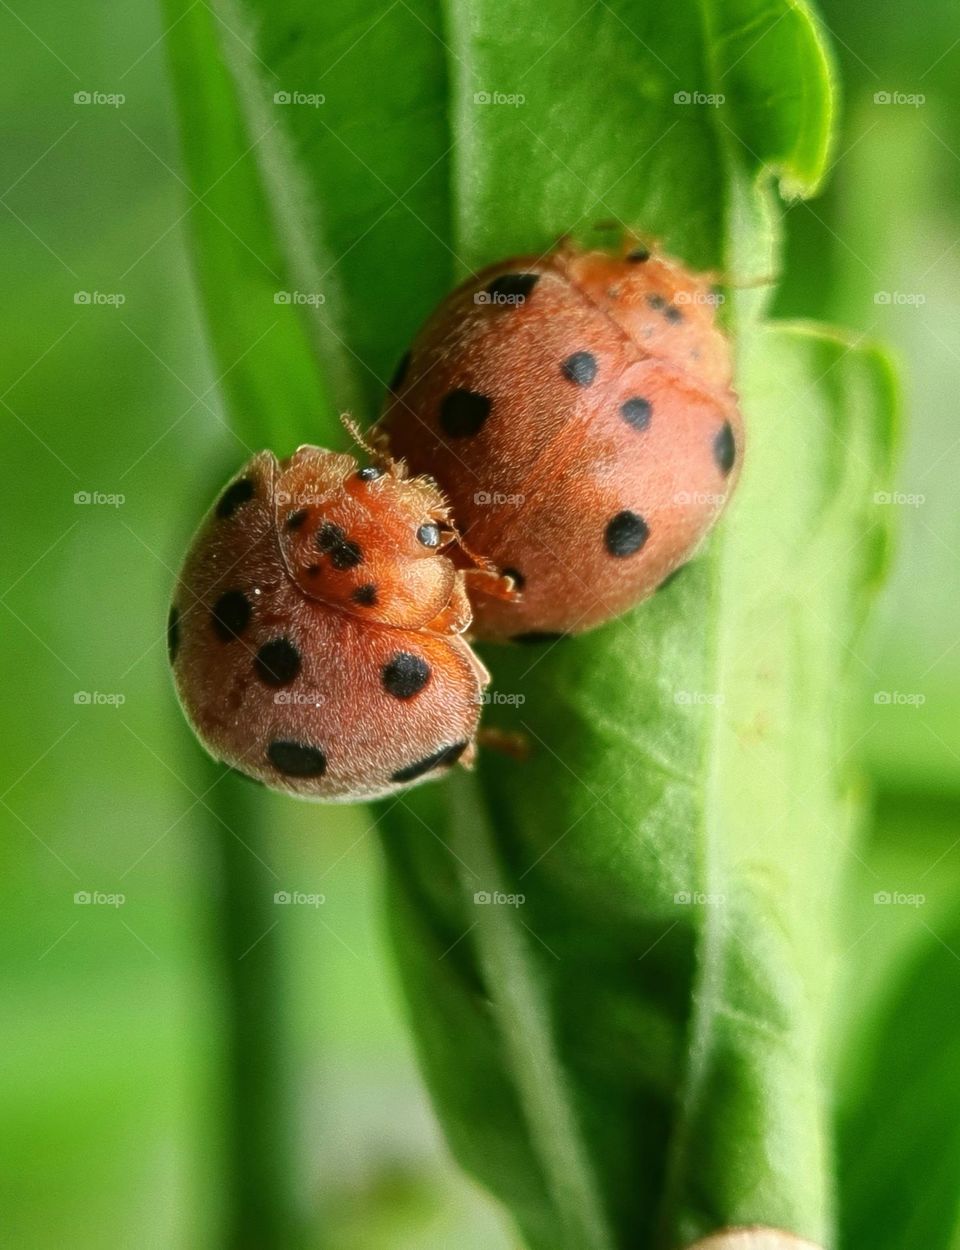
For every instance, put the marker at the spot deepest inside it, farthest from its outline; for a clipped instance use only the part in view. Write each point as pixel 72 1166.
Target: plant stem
pixel 517 996
pixel 261 1203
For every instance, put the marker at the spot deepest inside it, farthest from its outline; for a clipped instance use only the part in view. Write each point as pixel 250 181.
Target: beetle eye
pixel 370 473
pixel 429 535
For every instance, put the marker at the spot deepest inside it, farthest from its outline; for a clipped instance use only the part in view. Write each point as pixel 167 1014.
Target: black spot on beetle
pixel 405 675
pixel 724 448
pixel 277 662
pixel 332 541
pixel 463 413
pixel 625 534
pixel 231 615
pixel 637 412
pixel 512 287
pixel 659 304
pixel 296 519
pixel 173 632
pixel 296 759
pixel 365 596
pixel 440 759
pixel 580 368
pixel 638 256
pixel 237 494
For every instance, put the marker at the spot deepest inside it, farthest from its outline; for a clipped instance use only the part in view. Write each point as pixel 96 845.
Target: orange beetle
pixel 315 632
pixel 576 409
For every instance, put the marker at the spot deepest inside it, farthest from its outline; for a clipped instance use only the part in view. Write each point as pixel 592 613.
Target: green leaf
pixel 907 1121
pixel 898 1087
pixel 273 367
pixel 615 120
pixel 620 1066
pixel 670 761
pixel 345 199
pixel 382 195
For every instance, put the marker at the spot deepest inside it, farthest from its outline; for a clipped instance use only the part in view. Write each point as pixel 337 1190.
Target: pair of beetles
pixel 559 439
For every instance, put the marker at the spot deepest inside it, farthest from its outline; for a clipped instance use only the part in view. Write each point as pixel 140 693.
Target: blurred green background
pixel 116 1096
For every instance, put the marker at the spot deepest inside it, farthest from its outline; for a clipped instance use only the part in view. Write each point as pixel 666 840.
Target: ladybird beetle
pixel 315 632
pixel 576 409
